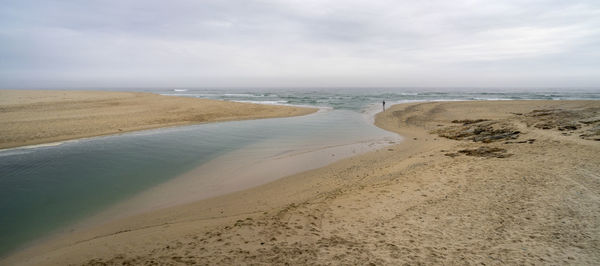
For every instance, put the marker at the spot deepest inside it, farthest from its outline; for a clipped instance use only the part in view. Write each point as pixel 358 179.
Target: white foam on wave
pixel 285 103
pixel 201 95
pixel 242 95
pixel 490 99
pixel 263 102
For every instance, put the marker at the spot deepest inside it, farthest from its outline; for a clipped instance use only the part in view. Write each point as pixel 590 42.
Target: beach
pixel 31 117
pixel 493 182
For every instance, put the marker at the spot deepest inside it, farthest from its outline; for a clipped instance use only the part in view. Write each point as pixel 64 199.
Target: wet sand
pixel 229 173
pixel 36 117
pixel 494 182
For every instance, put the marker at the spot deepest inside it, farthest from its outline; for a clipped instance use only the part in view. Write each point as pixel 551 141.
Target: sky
pixel 299 43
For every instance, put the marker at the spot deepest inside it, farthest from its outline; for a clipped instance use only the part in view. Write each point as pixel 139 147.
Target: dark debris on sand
pixel 480 130
pixel 584 122
pixel 488 152
pixel 483 151
pixel 469 121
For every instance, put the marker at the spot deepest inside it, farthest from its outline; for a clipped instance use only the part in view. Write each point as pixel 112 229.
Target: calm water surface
pixel 45 189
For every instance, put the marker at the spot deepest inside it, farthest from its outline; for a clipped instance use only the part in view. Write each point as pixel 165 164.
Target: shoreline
pixel 422 200
pixel 178 191
pixel 34 117
pixel 285 150
pixel 141 131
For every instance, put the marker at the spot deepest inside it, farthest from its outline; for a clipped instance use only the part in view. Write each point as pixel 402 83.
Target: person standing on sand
pixel 384 105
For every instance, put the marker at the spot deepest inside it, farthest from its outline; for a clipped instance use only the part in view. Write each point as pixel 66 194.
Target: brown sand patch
pixel 412 205
pixel 36 117
pixel 480 130
pixel 584 122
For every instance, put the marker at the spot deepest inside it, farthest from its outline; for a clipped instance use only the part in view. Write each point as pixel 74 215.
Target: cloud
pixel 299 43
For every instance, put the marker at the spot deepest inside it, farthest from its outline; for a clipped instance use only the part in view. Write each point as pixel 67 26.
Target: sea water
pixel 358 98
pixel 49 187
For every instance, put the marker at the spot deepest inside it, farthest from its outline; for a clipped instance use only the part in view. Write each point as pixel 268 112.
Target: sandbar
pixel 480 182
pixel 31 117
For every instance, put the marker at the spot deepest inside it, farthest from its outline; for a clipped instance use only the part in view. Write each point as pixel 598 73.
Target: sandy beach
pixel 29 117
pixel 492 182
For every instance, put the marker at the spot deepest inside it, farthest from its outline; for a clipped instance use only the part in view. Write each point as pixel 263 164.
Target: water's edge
pixel 105 160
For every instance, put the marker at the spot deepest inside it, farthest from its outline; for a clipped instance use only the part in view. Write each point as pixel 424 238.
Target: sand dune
pixel 36 117
pixel 495 182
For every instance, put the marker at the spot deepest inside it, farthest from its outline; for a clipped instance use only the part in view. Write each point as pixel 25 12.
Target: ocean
pixel 359 99
pixel 48 189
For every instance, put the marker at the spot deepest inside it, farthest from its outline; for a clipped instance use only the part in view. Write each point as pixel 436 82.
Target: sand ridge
pixel 29 117
pixel 408 203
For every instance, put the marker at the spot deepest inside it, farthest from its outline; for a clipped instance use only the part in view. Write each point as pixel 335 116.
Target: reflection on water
pixel 48 187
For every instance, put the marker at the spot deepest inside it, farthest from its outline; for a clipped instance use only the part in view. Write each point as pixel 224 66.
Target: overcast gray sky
pixel 299 43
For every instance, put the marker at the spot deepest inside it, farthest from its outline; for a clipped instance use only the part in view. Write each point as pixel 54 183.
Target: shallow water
pixel 52 187
pixel 49 187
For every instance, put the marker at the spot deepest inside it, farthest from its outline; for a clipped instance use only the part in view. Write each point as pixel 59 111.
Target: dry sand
pixel 519 187
pixel 36 117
